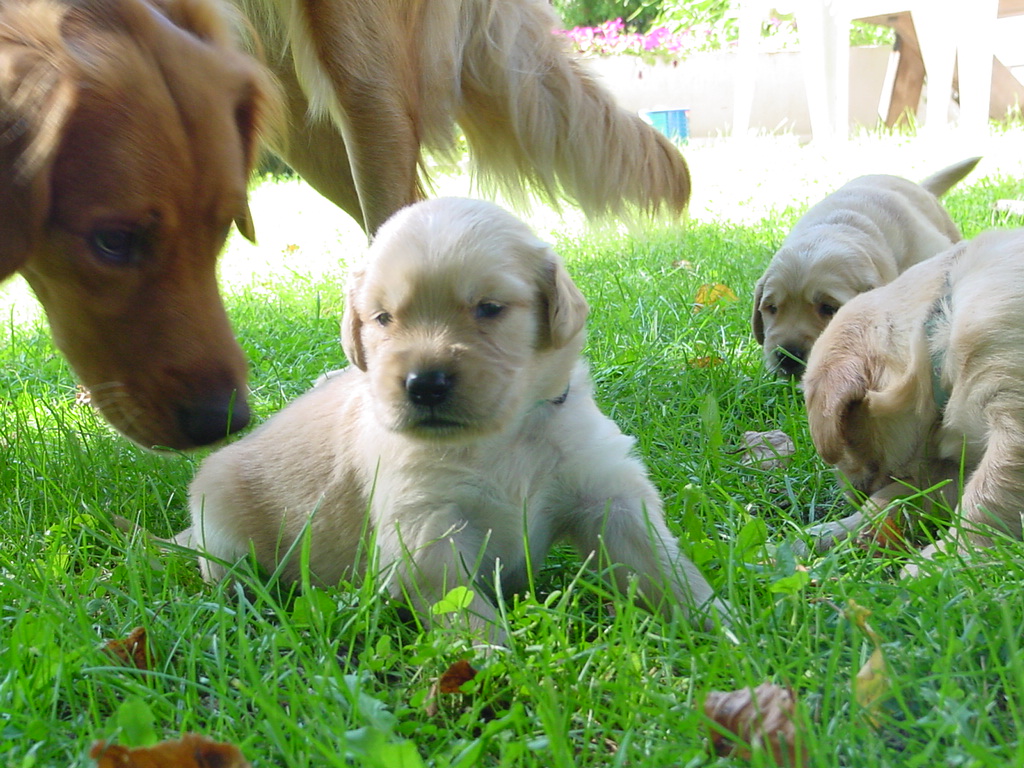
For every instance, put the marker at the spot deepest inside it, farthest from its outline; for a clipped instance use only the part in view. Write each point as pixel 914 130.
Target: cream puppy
pixel 860 237
pixel 922 381
pixel 461 444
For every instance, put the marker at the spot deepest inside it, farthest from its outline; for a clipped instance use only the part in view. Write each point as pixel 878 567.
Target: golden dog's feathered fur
pixel 922 381
pixel 860 237
pixel 372 82
pixel 463 440
pixel 127 131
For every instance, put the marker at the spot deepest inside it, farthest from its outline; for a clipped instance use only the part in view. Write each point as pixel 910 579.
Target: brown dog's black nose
pixel 792 361
pixel 428 388
pixel 214 418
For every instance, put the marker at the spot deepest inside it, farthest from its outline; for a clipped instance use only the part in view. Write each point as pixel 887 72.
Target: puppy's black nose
pixel 792 360
pixel 429 388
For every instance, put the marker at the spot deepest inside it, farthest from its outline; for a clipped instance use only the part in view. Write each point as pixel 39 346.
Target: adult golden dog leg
pixel 357 61
pixel 312 144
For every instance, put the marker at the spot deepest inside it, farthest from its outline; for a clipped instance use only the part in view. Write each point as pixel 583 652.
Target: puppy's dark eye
pixel 117 246
pixel 487 309
pixel 770 309
pixel 383 318
pixel 827 310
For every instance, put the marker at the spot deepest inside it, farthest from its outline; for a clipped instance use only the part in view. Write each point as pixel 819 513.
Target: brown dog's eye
pixel 382 318
pixel 119 247
pixel 487 309
pixel 827 310
pixel 770 309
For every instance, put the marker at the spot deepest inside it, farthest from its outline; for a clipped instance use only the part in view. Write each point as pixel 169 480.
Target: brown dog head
pixel 462 319
pixel 128 133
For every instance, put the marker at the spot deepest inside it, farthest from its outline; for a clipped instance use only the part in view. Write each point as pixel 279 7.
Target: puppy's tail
pixel 940 183
pixel 534 118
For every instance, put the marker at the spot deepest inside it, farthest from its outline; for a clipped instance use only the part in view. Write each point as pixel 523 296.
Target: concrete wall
pixel 703 83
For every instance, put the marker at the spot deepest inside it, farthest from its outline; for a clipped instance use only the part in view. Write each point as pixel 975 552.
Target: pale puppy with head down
pixel 463 440
pixel 922 381
pixel 860 237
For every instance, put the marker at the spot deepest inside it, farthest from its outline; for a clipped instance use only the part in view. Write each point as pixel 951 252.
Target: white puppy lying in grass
pixel 921 382
pixel 463 441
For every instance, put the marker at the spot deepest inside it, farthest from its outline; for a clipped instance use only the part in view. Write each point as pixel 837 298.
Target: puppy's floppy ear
pixel 37 94
pixel 896 396
pixel 756 321
pixel 833 395
pixel 566 308
pixel 352 324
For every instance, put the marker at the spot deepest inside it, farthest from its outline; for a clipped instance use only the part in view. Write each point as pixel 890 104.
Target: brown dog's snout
pixel 215 416
pixel 429 388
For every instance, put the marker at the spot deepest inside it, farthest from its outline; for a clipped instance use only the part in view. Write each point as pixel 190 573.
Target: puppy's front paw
pixel 926 558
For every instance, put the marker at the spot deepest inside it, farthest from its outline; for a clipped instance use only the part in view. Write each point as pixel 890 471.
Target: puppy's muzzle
pixel 429 389
pixel 790 361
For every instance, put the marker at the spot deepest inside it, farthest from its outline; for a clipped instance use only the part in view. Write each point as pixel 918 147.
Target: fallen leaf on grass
pixel 884 533
pixel 704 362
pixel 191 751
pixel 871 685
pixel 455 677
pixel 769 450
pixel 133 651
pixel 449 683
pixel 756 719
pixel 709 294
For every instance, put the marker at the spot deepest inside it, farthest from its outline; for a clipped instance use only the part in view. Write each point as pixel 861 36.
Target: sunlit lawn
pixel 339 677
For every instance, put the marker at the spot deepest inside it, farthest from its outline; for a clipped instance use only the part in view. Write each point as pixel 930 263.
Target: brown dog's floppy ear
pixel 259 110
pixel 37 94
pixel 567 310
pixel 352 324
pixel 756 321
pixel 244 223
pixel 257 113
pixel 832 396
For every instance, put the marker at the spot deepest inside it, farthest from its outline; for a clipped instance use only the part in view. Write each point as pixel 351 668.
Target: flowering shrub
pixel 612 38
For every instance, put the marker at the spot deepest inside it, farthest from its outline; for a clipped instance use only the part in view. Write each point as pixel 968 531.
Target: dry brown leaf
pixel 709 294
pixel 885 533
pixel 769 450
pixel 455 676
pixel 191 751
pixel 755 719
pixel 133 650
pixel 872 684
pixel 704 362
pixel 451 682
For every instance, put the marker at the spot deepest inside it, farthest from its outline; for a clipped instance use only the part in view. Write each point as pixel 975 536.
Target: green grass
pixel 340 677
